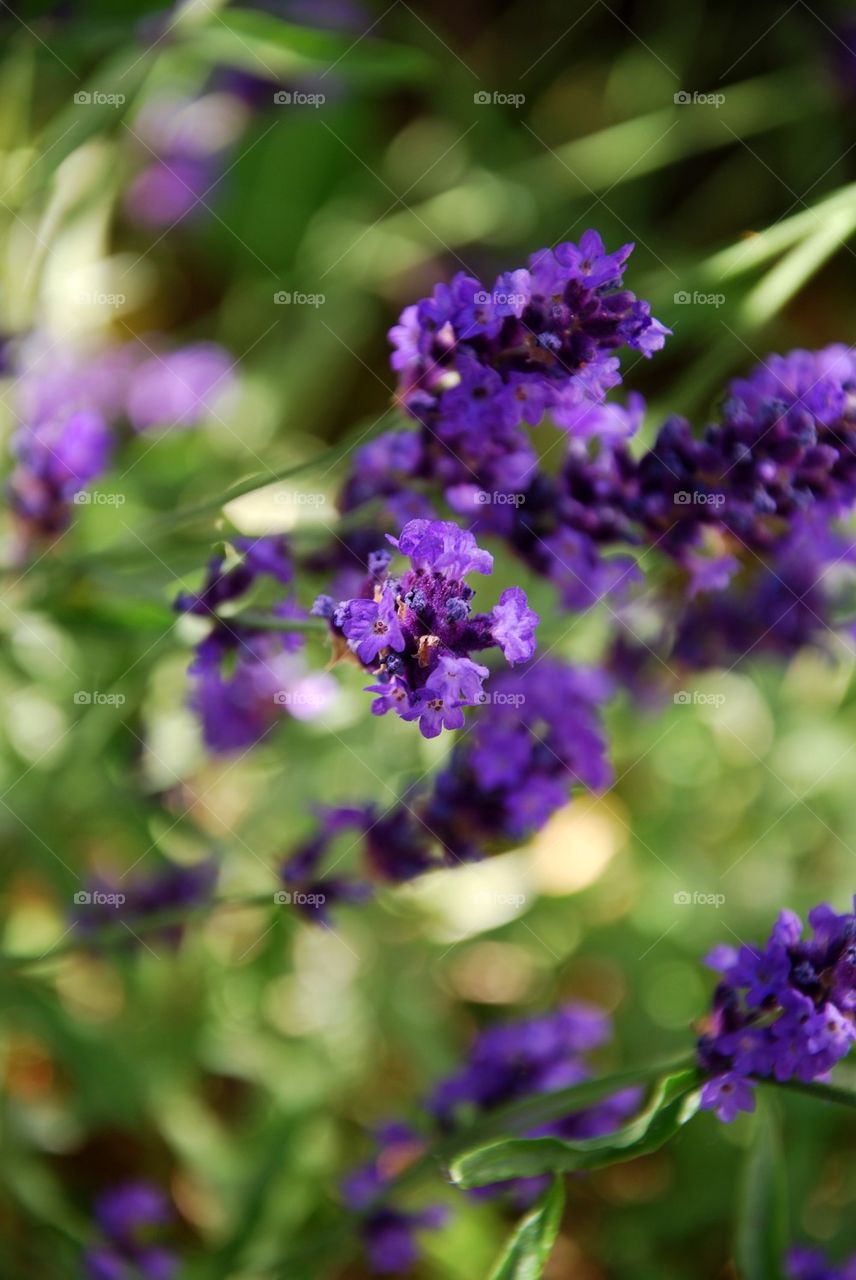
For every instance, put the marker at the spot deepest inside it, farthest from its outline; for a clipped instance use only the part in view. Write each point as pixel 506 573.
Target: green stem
pixel 821 1092
pixel 113 935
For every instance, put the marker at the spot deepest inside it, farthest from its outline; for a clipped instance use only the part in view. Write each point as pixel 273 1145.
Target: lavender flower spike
pixel 416 632
pixel 785 1012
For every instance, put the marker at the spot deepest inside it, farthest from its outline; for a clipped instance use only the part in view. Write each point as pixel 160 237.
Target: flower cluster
pixel 540 735
pixel 245 675
pixel 537 736
pixel 810 1264
pixel 739 521
pixel 416 632
pixel 507 1062
pixel 132 901
pixel 389 1232
pixel 129 1218
pixel 475 365
pixel 785 1012
pixel 74 405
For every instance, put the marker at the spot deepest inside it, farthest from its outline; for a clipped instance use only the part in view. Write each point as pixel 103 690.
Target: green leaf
pixel 528 1248
pixel 762 1234
pixel 264 44
pixel 673 1103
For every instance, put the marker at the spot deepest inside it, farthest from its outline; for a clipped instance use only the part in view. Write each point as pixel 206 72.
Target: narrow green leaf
pixel 262 42
pixel 673 1103
pixel 528 1248
pixel 762 1207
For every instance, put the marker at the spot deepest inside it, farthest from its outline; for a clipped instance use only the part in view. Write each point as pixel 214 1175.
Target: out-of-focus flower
pixel 245 676
pixel 73 406
pixel 134 900
pixel 811 1264
pixel 178 389
pixel 130 1217
pixel 506 1063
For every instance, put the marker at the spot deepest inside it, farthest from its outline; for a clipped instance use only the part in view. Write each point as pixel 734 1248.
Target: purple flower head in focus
pixel 785 1011
pixel 416 632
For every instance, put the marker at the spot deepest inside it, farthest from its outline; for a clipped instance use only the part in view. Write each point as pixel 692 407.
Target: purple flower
pixel 537 736
pixel 178 389
pixel 416 632
pixel 810 1264
pixel 509 1061
pixel 127 1217
pixel 784 1011
pixel 72 402
pixel 244 677
pixel 389 1233
pixel 726 1095
pixel 132 900
pixel 57 459
pixel 514 625
pixel 372 626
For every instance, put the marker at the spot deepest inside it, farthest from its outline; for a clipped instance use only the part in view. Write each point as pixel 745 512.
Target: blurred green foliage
pixel 242 1068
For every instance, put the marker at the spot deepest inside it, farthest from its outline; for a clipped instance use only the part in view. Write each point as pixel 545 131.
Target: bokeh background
pixel 241 1066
